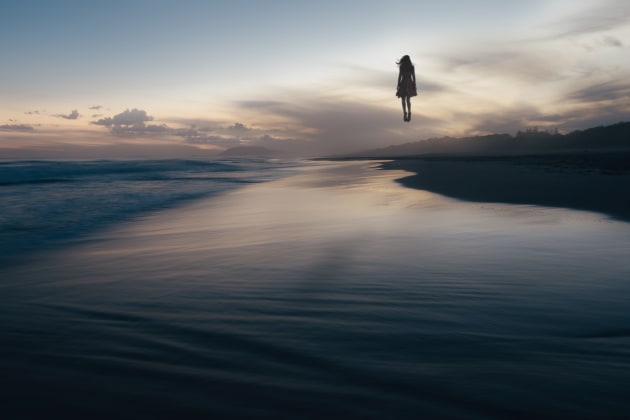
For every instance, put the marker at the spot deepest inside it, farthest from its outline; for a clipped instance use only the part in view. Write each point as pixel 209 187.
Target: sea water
pixel 44 203
pixel 329 291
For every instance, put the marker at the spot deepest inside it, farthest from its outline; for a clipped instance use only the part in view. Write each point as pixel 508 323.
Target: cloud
pixel 608 91
pixel 266 138
pixel 611 41
pixel 340 127
pixel 584 107
pixel 386 80
pixel 238 128
pixel 516 62
pixel 16 127
pixel 127 118
pixel 226 136
pixel 34 112
pixel 131 123
pixel 572 78
pixel 328 124
pixel 134 123
pixel 71 116
pixel 507 121
pixel 133 131
pixel 332 125
pixel 96 107
pixel 430 86
pixel 606 16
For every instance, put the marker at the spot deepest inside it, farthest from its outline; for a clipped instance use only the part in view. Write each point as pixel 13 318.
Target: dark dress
pixel 406 82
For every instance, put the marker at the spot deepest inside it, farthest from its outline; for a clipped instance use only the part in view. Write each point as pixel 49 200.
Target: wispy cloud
pixel 562 72
pixel 135 123
pixel 74 115
pixel 571 77
pixel 16 127
pixel 608 15
pixel 612 41
pixel 231 135
pixel 600 92
pixel 504 122
pixel 329 126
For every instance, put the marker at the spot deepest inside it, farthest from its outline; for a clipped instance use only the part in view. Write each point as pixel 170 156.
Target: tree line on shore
pixel 530 141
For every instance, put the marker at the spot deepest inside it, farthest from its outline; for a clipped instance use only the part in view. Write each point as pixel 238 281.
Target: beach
pixel 594 181
pixel 332 290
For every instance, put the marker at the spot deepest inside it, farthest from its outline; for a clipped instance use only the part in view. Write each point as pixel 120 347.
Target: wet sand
pixel 331 293
pixel 592 182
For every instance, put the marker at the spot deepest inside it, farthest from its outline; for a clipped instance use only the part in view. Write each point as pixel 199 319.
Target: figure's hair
pixel 405 62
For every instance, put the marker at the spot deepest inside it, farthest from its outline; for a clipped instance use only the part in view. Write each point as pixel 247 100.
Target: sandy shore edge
pixel 591 182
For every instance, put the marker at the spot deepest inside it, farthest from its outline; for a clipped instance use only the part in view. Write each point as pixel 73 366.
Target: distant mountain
pixel 250 151
pixel 533 141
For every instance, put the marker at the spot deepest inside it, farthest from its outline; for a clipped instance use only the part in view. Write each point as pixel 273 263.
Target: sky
pixel 189 78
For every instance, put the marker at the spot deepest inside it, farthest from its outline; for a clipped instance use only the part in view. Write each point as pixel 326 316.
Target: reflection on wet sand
pixel 334 292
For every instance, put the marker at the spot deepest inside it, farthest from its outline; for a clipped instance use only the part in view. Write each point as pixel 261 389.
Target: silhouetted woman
pixel 406 85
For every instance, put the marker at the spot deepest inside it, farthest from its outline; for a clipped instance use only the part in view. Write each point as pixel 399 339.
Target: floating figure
pixel 406 85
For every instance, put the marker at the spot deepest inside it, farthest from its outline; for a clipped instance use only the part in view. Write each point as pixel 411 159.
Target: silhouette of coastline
pixel 596 182
pixel 585 169
pixel 531 141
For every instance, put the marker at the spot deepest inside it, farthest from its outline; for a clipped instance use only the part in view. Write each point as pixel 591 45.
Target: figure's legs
pixel 404 107
pixel 409 108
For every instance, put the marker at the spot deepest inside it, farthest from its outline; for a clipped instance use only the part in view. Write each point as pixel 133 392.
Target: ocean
pixel 291 289
pixel 46 203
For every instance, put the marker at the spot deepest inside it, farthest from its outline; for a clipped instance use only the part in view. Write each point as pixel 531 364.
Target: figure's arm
pixel 413 75
pixel 400 76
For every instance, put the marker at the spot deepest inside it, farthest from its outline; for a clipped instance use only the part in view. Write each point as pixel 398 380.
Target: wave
pixel 32 172
pixel 48 202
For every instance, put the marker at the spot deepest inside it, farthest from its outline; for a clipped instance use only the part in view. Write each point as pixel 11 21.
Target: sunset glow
pixel 303 78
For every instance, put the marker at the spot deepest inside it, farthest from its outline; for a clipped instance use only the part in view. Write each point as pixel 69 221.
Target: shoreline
pixel 334 286
pixel 590 182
